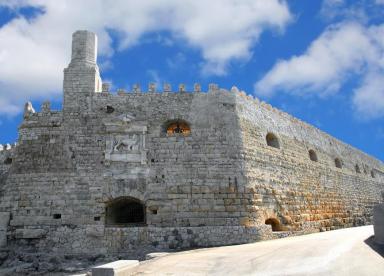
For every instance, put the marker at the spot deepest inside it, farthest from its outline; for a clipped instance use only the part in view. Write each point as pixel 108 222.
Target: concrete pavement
pixel 339 252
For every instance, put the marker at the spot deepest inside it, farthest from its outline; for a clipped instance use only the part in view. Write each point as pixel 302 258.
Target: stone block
pixel 378 223
pixel 4 220
pixel 95 230
pixel 118 268
pixel 30 233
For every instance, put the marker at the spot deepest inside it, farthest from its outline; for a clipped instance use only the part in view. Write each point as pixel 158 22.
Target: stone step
pixel 117 268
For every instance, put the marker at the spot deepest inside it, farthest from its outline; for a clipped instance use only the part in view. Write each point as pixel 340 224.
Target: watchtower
pixel 81 77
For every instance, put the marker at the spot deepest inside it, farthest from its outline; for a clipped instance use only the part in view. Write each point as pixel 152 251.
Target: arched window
pixel 178 127
pixel 373 174
pixel 125 211
pixel 357 168
pixel 275 223
pixel 338 163
pixel 272 140
pixel 312 155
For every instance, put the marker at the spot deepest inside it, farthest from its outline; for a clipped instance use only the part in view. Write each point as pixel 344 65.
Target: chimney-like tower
pixel 81 77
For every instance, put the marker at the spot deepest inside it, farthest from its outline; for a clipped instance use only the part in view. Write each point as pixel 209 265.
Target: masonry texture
pixel 119 172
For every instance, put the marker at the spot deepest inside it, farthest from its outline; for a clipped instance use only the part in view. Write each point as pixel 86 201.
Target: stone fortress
pixel 127 171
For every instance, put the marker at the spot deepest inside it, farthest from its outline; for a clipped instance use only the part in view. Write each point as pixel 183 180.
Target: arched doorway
pixel 275 223
pixel 125 211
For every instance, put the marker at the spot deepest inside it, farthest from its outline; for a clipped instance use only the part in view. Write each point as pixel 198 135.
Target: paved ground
pixel 340 252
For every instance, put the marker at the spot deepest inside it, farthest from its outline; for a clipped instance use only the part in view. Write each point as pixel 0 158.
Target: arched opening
pixel 373 174
pixel 338 163
pixel 275 223
pixel 272 140
pixel 178 127
pixel 357 169
pixel 312 155
pixel 125 211
pixel 8 161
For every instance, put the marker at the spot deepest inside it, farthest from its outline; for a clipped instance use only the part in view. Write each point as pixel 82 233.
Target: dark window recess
pixel 373 174
pixel 312 155
pixel 57 216
pixel 272 140
pixel 275 223
pixel 154 212
pixel 125 210
pixel 110 109
pixel 96 218
pixel 357 169
pixel 338 163
pixel 8 161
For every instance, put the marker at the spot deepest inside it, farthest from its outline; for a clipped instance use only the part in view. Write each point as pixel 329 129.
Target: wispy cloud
pixel 344 51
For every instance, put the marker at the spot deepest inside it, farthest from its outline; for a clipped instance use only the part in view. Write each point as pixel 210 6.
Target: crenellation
pixel 167 87
pixel 182 87
pixel 46 107
pixel 105 87
pixel 192 168
pixel 121 92
pixel 197 88
pixel 136 88
pixel 152 87
pixel 213 87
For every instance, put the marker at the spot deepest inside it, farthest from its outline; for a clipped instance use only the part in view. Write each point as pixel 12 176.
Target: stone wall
pixel 217 185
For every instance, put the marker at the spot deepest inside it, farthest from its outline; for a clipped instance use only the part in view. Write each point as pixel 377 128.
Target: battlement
pixel 6 156
pixel 7 147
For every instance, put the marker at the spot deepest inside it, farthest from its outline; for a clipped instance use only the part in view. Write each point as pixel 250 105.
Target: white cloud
pixel 369 97
pixel 343 51
pixel 33 52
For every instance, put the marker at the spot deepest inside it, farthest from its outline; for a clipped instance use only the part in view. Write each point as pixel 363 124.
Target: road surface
pixel 339 252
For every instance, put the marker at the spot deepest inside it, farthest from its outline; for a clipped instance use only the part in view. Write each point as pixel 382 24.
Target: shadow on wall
pixel 374 246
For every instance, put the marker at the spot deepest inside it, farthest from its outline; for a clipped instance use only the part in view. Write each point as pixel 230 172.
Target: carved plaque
pixel 126 141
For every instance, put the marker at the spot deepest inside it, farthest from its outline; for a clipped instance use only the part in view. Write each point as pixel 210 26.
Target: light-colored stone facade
pixel 217 185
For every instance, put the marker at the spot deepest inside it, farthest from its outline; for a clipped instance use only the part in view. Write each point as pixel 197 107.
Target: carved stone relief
pixel 126 141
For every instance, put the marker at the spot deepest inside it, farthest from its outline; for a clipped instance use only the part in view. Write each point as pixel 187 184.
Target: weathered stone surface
pixel 192 169
pixel 30 233
pixel 118 268
pixel 4 221
pixel 378 223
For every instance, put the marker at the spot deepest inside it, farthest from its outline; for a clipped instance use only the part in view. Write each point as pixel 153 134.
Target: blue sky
pixel 322 61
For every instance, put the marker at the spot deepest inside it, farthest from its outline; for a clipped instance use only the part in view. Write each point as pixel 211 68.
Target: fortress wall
pixel 276 121
pixel 187 174
pixel 203 186
pixel 297 191
pixel 193 181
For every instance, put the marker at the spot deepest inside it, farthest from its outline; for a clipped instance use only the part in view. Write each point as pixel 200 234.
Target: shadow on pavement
pixel 379 248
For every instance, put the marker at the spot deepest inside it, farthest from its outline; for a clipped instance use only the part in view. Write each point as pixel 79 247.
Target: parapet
pixel 167 88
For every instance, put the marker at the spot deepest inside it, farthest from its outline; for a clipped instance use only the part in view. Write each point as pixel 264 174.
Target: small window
pixel 125 211
pixel 338 163
pixel 312 155
pixel 178 127
pixel 272 140
pixel 357 169
pixel 57 216
pixel 373 174
pixel 96 218
pixel 8 161
pixel 275 223
pixel 110 109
